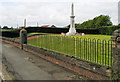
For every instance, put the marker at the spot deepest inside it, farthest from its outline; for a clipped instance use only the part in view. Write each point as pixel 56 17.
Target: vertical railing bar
pixel 111 53
pixel 38 42
pixel 74 47
pixel 46 41
pixel 41 41
pixel 61 44
pixel 51 42
pixel 100 52
pixel 108 53
pixel 90 49
pixel 78 54
pixel 80 48
pixel 67 44
pixel 98 41
pixel 95 50
pixel 105 51
pixel 84 48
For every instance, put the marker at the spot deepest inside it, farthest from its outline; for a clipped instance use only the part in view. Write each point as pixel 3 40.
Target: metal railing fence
pixel 92 50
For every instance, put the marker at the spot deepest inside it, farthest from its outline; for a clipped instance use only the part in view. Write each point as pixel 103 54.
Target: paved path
pixel 26 69
pixel 26 66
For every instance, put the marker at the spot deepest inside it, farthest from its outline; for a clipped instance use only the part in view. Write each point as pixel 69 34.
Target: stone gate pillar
pixel 116 55
pixel 23 38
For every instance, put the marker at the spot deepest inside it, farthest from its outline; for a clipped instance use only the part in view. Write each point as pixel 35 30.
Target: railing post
pixel 116 55
pixel 23 38
pixel 75 46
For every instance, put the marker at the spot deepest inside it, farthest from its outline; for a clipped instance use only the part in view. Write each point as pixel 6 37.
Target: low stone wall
pixel 116 55
pixel 11 39
pixel 90 70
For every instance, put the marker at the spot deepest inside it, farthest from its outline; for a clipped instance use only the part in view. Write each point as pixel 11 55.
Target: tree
pixel 102 21
pixel 99 21
pixel 11 27
pixel 5 27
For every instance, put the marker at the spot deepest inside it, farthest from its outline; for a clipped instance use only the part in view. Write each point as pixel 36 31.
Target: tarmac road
pixel 26 69
pixel 26 66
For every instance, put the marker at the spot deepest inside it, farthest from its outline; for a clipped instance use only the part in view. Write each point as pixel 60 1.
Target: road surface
pixel 26 66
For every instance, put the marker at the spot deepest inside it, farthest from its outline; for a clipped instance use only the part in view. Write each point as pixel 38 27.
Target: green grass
pixel 30 34
pixel 8 29
pixel 78 46
pixel 101 37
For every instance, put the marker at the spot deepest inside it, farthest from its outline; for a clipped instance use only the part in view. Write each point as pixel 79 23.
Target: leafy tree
pixel 11 27
pixel 5 27
pixel 102 21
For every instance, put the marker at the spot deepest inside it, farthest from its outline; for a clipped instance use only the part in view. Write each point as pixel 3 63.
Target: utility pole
pixel 17 25
pixel 37 24
pixel 24 22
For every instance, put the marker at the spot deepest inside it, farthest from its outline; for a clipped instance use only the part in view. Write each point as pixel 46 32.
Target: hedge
pixel 59 30
pixel 108 30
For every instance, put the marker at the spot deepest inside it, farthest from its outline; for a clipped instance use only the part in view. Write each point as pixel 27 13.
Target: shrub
pixel 108 30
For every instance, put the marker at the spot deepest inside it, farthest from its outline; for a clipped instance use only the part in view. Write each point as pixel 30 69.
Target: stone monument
pixel 72 30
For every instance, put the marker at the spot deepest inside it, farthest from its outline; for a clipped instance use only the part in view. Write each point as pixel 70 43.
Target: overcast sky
pixel 54 12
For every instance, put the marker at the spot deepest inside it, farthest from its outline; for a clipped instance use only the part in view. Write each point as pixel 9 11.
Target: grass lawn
pixel 81 47
pixel 8 29
pixel 31 34
pixel 102 37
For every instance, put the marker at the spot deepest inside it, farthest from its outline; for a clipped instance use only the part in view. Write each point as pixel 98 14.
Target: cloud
pixel 54 11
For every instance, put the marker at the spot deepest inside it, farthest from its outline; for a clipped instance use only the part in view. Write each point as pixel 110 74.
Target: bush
pixel 108 30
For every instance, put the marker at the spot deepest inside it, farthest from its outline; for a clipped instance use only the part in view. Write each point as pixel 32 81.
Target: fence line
pixel 93 50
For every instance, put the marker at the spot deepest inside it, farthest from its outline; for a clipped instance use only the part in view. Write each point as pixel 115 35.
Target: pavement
pixel 26 66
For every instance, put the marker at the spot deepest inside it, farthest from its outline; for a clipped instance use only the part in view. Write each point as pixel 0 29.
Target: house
pixel 53 26
pixel 45 26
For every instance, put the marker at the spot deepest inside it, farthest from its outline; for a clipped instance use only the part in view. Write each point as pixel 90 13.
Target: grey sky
pixel 57 12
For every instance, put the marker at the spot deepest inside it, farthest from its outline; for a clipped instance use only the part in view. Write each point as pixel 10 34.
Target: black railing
pixel 92 50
